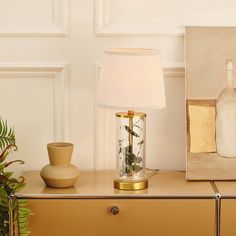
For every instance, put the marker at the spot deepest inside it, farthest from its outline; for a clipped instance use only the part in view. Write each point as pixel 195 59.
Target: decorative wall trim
pixel 60 74
pixel 175 71
pixel 105 27
pixel 58 26
pixel 104 125
pixel 150 27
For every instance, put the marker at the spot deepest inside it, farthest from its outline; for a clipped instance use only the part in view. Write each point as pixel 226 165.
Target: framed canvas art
pixel 211 103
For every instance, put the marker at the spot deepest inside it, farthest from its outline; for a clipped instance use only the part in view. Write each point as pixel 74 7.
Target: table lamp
pixel 131 79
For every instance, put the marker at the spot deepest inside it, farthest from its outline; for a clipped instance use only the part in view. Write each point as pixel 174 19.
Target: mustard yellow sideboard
pixel 169 207
pixel 227 194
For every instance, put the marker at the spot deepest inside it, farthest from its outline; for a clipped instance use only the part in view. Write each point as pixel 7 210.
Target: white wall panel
pixel 33 17
pixel 158 17
pixel 34 99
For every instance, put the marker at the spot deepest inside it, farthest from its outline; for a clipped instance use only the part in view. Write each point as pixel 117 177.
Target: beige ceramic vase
pixel 59 173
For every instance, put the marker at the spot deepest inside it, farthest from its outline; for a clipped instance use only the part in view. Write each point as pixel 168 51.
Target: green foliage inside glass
pixel 132 162
pixel 13 211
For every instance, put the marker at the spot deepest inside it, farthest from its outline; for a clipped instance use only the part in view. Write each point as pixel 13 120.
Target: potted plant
pixel 13 211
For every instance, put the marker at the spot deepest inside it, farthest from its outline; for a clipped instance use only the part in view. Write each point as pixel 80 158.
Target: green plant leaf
pixel 22 202
pixel 137 168
pixel 8 187
pixel 137 159
pixel 24 210
pixel 7 135
pixel 19 186
pixel 2 166
pixel 8 174
pixel 127 128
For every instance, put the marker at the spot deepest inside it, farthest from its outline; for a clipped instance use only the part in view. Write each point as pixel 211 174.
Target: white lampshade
pixel 131 79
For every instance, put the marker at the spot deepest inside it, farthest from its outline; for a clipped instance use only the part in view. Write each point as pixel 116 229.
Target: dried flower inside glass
pixel 131 146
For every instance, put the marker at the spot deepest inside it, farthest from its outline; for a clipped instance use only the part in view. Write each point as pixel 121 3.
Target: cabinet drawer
pixel 93 217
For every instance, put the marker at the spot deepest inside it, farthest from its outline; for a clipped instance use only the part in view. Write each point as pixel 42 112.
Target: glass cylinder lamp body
pixel 130 160
pixel 226 117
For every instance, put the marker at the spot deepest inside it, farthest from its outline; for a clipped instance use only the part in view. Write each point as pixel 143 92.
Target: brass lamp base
pixel 130 186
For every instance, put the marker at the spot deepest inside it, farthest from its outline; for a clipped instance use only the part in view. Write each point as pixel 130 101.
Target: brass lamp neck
pixel 130 112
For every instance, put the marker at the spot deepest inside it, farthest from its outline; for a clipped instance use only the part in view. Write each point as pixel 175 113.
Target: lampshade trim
pixel 107 106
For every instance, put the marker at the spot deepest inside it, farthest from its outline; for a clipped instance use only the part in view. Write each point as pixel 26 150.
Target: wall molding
pixel 174 71
pixel 105 26
pixel 104 124
pixel 58 26
pixel 154 26
pixel 60 74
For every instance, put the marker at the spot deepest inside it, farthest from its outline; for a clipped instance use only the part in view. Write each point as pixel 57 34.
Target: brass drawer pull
pixel 115 210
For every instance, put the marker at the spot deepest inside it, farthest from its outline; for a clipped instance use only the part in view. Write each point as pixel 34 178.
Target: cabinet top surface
pixel 226 188
pixel 99 184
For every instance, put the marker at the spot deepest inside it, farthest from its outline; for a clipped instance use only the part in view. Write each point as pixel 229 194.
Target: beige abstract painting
pixel 211 103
